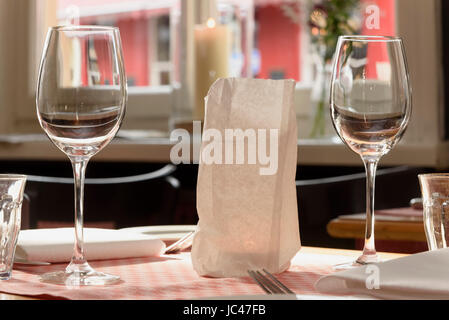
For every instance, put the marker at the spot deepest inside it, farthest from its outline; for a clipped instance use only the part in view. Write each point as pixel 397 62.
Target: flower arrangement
pixel 329 19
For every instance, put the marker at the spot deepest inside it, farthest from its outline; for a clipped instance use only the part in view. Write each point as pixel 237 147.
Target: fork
pixel 269 283
pixel 181 244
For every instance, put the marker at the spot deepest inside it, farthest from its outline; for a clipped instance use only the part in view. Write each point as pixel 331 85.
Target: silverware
pixel 182 244
pixel 269 283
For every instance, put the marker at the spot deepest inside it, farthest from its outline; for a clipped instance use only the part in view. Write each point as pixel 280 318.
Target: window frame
pixel 418 23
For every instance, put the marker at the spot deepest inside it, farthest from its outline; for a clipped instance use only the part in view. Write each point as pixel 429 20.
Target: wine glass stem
pixel 79 169
pixel 369 250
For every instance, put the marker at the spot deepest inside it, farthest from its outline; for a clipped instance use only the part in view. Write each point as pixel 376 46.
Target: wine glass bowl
pixel 81 90
pixel 81 99
pixel 370 104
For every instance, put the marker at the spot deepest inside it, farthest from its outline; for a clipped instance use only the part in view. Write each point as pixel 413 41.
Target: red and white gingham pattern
pixel 165 277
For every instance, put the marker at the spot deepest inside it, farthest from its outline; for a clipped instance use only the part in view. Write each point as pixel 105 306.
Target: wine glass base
pixel 90 278
pixel 363 260
pixel 346 266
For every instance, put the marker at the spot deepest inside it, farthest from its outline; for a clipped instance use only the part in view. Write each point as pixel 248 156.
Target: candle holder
pixel 218 45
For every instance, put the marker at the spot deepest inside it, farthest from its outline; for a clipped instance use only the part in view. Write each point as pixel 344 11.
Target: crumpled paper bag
pixel 248 216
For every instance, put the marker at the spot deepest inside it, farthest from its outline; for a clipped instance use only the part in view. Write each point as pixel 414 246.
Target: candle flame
pixel 211 23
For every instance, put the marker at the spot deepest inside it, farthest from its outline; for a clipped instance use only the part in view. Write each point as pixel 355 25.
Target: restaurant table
pixel 171 277
pixel 397 229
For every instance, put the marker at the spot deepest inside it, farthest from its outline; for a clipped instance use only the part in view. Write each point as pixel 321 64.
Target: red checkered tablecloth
pixel 166 277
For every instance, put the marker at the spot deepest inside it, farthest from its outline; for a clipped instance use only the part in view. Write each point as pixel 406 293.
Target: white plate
pixel 165 233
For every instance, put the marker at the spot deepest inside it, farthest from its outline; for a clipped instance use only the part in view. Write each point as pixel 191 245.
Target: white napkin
pixel 56 244
pixel 418 276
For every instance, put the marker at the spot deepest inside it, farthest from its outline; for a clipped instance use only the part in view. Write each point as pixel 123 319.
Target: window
pixel 150 99
pixel 282 40
pixel 281 45
pixel 144 28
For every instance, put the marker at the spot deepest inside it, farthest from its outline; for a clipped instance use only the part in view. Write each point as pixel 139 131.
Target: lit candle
pixel 212 51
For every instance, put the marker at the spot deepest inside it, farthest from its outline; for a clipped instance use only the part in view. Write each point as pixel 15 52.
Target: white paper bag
pixel 248 216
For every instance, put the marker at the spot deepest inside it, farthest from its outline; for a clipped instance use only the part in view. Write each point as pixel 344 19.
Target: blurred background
pixel 169 56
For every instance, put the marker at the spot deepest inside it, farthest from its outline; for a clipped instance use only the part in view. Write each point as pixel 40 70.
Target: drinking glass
pixel 81 98
pixel 435 195
pixel 370 104
pixel 11 196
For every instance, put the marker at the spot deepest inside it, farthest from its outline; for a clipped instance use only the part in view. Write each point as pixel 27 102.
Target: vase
pixel 321 126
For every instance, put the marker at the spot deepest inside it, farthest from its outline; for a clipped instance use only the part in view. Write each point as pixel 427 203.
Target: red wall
pixel 278 43
pixel 387 27
pixel 135 39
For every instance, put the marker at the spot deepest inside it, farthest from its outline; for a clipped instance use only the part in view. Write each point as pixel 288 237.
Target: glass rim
pixel 84 28
pixel 12 176
pixel 362 38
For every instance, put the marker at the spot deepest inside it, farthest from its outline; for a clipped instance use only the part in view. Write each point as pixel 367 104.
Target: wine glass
pixel 81 98
pixel 370 104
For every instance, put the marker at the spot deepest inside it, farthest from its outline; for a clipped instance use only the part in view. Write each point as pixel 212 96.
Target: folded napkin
pixel 418 276
pixel 56 245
